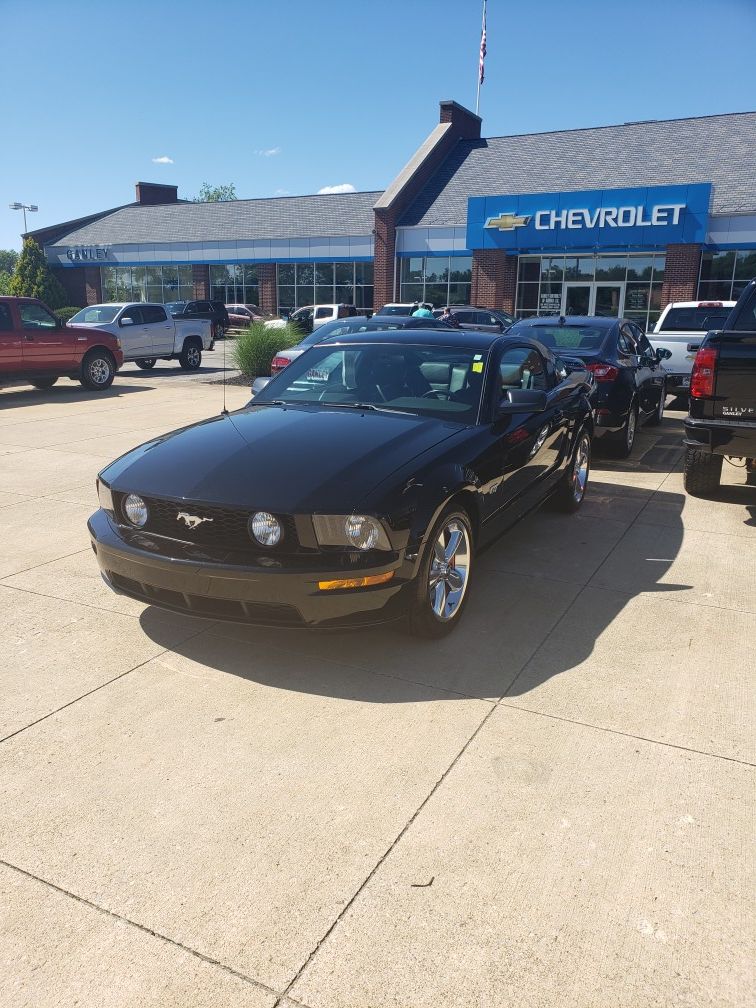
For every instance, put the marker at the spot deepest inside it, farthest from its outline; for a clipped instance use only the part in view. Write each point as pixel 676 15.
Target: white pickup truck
pixel 313 316
pixel 681 329
pixel 148 332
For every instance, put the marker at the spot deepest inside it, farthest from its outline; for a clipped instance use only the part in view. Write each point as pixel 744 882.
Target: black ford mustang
pixel 355 488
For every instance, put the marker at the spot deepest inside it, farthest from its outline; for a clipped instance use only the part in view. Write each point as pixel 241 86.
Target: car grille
pixel 226 528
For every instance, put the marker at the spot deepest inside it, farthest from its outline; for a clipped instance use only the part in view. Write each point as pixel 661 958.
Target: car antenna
pixel 224 411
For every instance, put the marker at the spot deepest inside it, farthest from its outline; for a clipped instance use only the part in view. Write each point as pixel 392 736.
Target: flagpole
pixel 481 57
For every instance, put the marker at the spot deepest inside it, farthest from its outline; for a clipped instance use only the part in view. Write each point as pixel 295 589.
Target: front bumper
pixel 721 437
pixel 186 579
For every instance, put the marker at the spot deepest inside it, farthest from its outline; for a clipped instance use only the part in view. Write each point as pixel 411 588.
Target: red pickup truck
pixel 38 348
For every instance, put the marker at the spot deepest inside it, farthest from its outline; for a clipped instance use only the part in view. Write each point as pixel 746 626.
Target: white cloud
pixel 282 192
pixel 269 152
pixel 162 160
pixel 330 189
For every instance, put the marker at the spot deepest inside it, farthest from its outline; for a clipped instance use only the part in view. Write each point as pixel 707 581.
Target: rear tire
pixel 98 369
pixel 44 383
pixel 146 363
pixel 658 414
pixel 190 357
pixel 702 473
pixel 622 442
pixel 570 491
pixel 441 588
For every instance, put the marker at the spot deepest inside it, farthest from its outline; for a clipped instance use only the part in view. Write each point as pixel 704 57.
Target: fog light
pixel 363 582
pixel 265 528
pixel 136 510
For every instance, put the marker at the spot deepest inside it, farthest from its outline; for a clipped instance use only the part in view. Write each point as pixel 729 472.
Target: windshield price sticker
pixel 314 375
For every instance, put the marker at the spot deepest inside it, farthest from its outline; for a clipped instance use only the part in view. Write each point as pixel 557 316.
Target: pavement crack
pixel 140 927
pixel 345 909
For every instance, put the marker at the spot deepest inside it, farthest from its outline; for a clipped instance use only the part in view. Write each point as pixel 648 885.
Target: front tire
pixel 98 370
pixel 572 486
pixel 146 363
pixel 190 357
pixel 44 383
pixel 658 414
pixel 442 584
pixel 702 473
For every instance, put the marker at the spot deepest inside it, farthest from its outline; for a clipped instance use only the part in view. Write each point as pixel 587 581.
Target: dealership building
pixel 613 220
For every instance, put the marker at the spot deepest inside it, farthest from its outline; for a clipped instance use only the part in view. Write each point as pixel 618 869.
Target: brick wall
pixel 384 257
pixel 681 273
pixel 494 279
pixel 201 281
pixel 266 274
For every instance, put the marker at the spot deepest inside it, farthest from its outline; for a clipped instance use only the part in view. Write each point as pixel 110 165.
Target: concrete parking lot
pixel 551 807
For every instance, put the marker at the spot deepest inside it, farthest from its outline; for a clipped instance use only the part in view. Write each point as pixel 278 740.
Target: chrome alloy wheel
pixel 99 370
pixel 580 468
pixel 193 357
pixel 632 421
pixel 449 569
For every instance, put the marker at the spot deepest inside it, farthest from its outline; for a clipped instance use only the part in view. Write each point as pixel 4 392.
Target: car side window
pixel 522 368
pixel 134 313
pixel 6 322
pixel 153 313
pixel 34 316
pixel 644 347
pixel 626 341
pixel 325 313
pixel 746 320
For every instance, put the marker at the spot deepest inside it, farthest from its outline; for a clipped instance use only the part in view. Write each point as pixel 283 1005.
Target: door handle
pixel 29 336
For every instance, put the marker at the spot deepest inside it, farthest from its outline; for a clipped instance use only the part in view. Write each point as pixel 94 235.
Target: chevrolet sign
pixel 648 217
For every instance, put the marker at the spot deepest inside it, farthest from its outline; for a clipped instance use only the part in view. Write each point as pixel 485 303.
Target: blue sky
pixel 293 96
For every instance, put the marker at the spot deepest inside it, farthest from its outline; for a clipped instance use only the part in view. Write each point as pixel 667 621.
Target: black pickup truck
pixel 722 412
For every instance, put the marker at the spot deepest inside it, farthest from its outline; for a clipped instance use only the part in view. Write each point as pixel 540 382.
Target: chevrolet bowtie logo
pixel 507 222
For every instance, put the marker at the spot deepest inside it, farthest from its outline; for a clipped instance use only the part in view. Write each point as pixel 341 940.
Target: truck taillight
pixel 603 372
pixel 710 304
pixel 278 364
pixel 703 374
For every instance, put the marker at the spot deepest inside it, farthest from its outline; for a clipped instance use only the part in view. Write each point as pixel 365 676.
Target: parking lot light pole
pixel 23 206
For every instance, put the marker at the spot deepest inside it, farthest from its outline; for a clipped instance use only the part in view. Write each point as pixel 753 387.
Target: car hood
pixel 293 459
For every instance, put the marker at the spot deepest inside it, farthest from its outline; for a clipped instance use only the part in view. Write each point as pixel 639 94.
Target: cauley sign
pixel 87 253
pixel 590 218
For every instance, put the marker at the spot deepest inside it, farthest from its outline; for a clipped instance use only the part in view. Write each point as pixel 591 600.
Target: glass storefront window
pixel 579 267
pixel 552 268
pixel 611 267
pixel 440 280
pixel 640 267
pixel 325 283
pixel 234 283
pixel 147 283
pixel 717 265
pixel 530 269
pixel 725 274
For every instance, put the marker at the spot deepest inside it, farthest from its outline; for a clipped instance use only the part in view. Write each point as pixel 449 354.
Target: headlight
pixel 265 528
pixel 355 531
pixel 105 497
pixel 136 510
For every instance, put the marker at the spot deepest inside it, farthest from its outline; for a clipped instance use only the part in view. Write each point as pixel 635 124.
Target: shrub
pixel 32 277
pixel 67 313
pixel 254 349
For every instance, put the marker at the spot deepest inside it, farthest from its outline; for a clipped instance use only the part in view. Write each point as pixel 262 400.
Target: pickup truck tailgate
pixel 735 389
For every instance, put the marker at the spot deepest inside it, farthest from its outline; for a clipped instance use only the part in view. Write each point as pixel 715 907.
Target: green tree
pixel 5 282
pixel 32 277
pixel 215 194
pixel 8 260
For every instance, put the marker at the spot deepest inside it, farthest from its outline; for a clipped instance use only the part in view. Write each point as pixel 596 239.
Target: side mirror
pixel 663 354
pixel 258 385
pixel 524 401
pixel 126 320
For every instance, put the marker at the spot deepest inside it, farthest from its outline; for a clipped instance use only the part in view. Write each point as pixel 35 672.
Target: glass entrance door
pixel 576 299
pixel 608 300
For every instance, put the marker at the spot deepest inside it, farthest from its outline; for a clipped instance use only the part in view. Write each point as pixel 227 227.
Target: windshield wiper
pixel 364 406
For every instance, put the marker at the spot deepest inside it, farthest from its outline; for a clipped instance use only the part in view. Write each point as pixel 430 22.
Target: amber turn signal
pixel 363 582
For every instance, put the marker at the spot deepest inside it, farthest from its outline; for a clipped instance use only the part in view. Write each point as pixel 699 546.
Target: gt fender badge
pixel 192 521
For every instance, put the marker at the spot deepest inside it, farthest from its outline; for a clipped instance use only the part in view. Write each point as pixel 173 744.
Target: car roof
pixel 601 321
pixel 467 338
pixel 703 303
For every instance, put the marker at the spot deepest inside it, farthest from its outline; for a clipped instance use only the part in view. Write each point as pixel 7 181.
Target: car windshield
pixel 353 325
pixel 695 319
pixel 96 314
pixel 175 306
pixel 396 309
pixel 589 338
pixel 445 382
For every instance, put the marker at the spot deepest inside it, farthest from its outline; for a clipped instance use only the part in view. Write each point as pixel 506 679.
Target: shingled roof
pixel 334 215
pixel 718 149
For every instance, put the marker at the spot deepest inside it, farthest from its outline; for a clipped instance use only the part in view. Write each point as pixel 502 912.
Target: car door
pixel 488 322
pixel 159 329
pixel 11 342
pixel 47 345
pixel 528 444
pixel 650 373
pixel 133 333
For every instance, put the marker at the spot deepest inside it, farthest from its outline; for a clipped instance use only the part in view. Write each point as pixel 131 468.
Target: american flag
pixel 481 62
